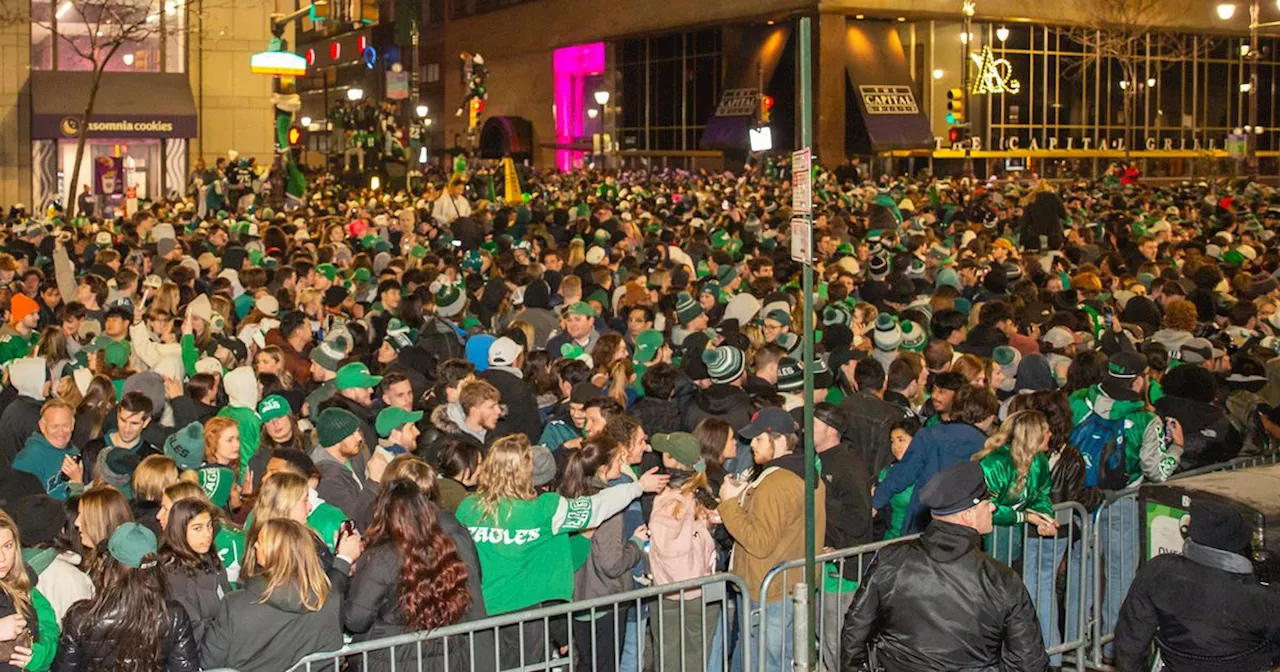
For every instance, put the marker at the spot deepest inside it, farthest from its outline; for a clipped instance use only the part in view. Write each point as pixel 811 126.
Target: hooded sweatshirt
pixel 21 417
pixel 242 401
pixel 42 459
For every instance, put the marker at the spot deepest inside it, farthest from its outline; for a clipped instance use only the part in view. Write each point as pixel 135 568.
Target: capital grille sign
pixel 738 103
pixel 888 99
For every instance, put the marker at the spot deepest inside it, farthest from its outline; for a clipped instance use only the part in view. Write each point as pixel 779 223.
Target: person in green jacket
pixel 1015 463
pixel 28 621
pixel 519 534
pixel 241 385
pixel 19 336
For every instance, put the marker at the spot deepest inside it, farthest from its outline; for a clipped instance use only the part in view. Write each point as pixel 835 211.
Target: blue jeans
pixel 1119 548
pixel 633 631
pixel 1039 574
pixel 776 619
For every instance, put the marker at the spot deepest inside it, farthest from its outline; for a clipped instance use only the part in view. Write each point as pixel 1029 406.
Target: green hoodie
pixel 43 650
pixel 39 458
pixel 250 426
pixel 1145 451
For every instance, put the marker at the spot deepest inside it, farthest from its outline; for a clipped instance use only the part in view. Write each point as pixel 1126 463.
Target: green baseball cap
pixel 116 352
pixel 355 376
pixel 648 343
pixel 581 308
pixel 393 417
pixel 328 270
pixel 682 446
pixel 274 406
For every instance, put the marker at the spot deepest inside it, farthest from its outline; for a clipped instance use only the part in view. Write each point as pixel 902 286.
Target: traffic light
pixel 368 11
pixel 958 135
pixel 766 108
pixel 475 108
pixel 295 135
pixel 955 106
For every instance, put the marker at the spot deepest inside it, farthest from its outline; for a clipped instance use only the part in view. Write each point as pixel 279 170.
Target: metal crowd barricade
pixel 1116 547
pixel 530 640
pixel 836 595
pixel 1037 560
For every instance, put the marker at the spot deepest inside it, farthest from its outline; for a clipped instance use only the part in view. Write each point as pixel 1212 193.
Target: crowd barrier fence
pixel 718 609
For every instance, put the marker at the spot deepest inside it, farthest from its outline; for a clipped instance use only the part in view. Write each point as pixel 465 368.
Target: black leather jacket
pixel 86 645
pixel 939 603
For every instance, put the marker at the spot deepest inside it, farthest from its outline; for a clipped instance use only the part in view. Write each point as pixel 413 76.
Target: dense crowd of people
pixel 233 437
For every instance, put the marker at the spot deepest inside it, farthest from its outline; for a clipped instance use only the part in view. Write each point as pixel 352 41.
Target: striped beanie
pixel 724 364
pixel 888 335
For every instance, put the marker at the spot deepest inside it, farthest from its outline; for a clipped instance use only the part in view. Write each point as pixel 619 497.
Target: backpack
pixel 1101 443
pixel 679 548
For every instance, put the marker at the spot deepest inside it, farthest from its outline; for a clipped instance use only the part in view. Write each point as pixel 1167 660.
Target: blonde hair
pixel 577 253
pixel 102 510
pixel 153 476
pixel 506 473
pixel 411 468
pixel 1023 432
pixel 167 299
pixel 526 328
pixel 290 560
pixel 16 584
pixel 222 306
pixel 187 488
pixel 279 493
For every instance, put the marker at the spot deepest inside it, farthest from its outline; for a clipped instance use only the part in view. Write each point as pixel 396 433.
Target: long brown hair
pixel 433 579
pixel 583 464
pixel 16 584
pixel 98 400
pixel 128 608
pixel 174 549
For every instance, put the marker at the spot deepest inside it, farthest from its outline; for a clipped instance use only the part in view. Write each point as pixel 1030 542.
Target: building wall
pixel 15 115
pixel 517 44
pixel 232 103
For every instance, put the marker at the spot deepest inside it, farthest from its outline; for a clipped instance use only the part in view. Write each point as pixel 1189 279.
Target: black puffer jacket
pixel 371 609
pixel 84 645
pixel 980 616
pixel 720 400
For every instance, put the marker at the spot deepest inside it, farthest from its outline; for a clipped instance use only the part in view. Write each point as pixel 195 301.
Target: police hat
pixel 959 488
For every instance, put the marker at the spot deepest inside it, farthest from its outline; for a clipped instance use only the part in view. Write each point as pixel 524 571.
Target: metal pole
pixel 810 478
pixel 1251 136
pixel 801 635
pixel 967 10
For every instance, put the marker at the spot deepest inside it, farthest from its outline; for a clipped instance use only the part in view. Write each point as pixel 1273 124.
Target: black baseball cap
pixel 769 419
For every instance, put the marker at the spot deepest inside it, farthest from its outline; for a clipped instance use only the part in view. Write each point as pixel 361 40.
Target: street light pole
pixel 1251 139
pixel 967 10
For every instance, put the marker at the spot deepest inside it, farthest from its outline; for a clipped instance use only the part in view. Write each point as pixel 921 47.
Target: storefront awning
pixel 890 115
pixel 128 105
pixel 755 62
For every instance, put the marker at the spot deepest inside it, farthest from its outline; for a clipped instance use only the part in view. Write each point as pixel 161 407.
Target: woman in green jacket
pixel 28 627
pixel 1016 465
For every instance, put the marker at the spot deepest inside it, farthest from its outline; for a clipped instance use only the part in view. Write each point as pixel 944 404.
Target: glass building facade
pixel 668 88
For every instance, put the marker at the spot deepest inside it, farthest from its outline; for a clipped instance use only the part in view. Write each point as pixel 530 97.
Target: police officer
pixel 938 602
pixel 1205 609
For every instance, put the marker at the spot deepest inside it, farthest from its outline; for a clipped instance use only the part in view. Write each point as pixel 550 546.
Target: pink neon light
pixel 572 66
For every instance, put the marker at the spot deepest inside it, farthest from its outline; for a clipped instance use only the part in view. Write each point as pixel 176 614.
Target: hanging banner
pixel 511 182
pixel 397 85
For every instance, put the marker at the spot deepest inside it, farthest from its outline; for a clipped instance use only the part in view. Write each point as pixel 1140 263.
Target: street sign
pixel 801 240
pixel 801 182
pixel 1237 145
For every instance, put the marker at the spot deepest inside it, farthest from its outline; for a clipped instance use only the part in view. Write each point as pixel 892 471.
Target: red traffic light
pixel 295 134
pixel 954 135
pixel 767 102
